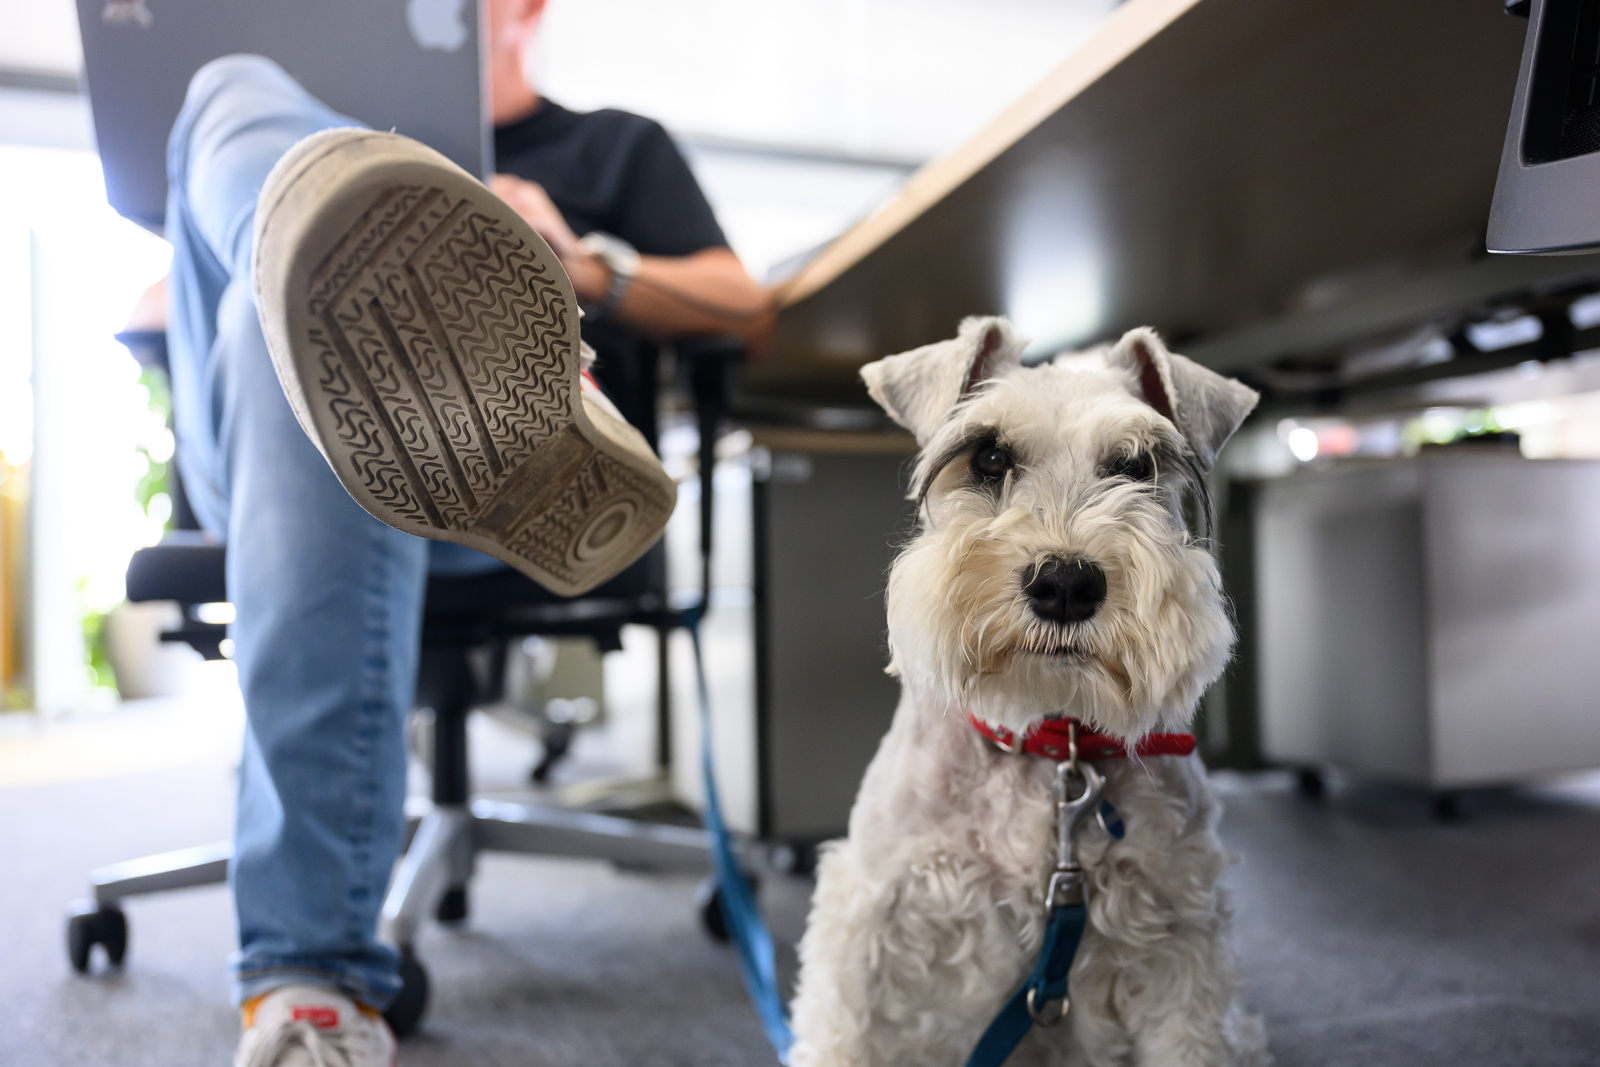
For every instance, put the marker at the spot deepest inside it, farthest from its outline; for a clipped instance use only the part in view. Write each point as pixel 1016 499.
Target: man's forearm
pixel 708 292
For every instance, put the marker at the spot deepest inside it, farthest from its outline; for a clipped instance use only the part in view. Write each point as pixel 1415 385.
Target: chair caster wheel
pixel 452 907
pixel 708 901
pixel 406 1012
pixel 557 738
pixel 88 925
pixel 797 858
pixel 1309 783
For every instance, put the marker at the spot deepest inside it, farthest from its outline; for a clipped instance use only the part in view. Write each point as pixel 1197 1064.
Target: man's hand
pixel 529 200
pixel 671 296
pixel 589 276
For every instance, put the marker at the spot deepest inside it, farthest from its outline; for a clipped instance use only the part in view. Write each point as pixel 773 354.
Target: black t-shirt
pixel 620 173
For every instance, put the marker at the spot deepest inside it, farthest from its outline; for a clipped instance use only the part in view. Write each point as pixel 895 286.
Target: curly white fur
pixel 930 914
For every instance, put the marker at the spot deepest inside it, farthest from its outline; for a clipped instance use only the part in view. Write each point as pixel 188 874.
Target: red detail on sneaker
pixel 590 379
pixel 320 1017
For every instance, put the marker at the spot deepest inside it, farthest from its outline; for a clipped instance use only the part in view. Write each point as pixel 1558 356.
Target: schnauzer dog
pixel 1054 578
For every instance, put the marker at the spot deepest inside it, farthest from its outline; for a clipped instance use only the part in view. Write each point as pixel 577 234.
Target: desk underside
pixel 1258 179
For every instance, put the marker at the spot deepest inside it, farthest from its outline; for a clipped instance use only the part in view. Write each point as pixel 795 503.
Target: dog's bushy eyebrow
pixel 1195 475
pixel 1175 458
pixel 1179 459
pixel 929 469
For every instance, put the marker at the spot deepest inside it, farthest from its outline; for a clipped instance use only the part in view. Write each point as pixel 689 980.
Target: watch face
pixel 617 254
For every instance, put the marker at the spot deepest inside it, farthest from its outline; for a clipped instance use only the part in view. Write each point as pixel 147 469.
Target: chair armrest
pixel 186 567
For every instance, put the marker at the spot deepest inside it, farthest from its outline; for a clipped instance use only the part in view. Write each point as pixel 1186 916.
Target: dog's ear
pixel 920 387
pixel 1204 406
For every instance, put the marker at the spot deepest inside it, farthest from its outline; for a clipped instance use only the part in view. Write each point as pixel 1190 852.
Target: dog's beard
pixel 964 634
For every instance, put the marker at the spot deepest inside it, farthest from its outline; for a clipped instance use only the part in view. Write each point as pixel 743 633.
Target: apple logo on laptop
pixel 127 13
pixel 437 23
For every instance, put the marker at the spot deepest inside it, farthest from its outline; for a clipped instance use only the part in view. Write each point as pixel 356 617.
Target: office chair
pixel 463 618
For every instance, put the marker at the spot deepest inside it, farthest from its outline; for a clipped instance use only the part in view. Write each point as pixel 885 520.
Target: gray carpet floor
pixel 1371 936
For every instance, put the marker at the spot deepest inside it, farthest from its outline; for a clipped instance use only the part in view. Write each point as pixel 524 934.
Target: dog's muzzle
pixel 1066 590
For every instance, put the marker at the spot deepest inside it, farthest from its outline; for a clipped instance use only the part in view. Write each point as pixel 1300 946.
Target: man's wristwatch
pixel 620 258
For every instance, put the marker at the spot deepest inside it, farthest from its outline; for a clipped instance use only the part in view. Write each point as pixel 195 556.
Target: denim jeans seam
pixel 372 706
pixel 183 232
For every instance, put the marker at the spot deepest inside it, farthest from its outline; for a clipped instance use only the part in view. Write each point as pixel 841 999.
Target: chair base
pixel 444 841
pixel 449 838
pixel 185 867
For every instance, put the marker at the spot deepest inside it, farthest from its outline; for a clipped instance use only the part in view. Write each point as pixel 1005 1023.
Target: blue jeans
pixel 328 599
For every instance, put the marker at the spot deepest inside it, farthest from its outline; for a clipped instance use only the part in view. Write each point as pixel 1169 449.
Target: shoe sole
pixel 427 339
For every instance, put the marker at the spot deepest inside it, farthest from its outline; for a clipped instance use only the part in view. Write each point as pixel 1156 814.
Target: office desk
pixel 1255 178
pixel 1466 582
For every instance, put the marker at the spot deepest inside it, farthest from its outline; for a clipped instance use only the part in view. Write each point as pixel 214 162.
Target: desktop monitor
pixel 1547 197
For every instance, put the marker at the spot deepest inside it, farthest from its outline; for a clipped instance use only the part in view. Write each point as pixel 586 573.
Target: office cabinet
pixel 1431 620
pixel 830 512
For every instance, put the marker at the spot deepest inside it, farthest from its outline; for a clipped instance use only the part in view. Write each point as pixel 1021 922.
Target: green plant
pixel 98 658
pixel 155 485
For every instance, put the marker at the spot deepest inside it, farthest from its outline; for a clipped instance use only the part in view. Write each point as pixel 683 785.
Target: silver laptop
pixel 414 66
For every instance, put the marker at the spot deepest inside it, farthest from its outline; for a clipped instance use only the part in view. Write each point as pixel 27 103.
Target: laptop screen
pixel 413 66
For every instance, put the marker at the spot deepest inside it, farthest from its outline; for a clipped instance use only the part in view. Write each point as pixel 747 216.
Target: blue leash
pixel 1066 917
pixel 739 907
pixel 1047 983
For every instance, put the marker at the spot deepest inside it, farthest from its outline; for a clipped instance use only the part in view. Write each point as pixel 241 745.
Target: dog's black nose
pixel 1064 590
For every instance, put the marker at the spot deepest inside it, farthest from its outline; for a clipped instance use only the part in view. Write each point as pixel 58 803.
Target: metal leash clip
pixel 1067 881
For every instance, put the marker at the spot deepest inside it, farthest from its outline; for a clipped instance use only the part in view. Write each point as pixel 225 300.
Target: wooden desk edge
pixel 1124 32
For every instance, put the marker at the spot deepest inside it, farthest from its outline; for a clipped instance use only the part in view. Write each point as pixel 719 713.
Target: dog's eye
pixel 1139 467
pixel 991 461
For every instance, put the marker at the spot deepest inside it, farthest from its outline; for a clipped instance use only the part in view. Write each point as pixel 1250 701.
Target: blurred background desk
pixel 829 511
pixel 1431 620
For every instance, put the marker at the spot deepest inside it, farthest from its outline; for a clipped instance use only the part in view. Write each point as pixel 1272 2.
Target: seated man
pixel 427 344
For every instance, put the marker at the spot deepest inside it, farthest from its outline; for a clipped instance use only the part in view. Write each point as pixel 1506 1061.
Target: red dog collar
pixel 1049 738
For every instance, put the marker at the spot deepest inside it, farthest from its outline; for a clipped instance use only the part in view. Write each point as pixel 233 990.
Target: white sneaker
pixel 313 1026
pixel 428 342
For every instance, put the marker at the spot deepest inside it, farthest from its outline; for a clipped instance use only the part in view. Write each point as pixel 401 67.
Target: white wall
pixel 904 79
pixel 40 35
pixel 889 82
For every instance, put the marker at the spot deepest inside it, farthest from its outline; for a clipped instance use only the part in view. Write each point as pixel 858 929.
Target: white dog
pixel 1054 575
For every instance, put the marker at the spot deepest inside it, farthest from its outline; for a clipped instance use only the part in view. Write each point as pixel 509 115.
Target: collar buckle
pixel 1014 747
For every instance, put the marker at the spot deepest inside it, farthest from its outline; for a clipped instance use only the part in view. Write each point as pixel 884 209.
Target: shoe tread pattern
pixel 554 532
pixel 441 346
